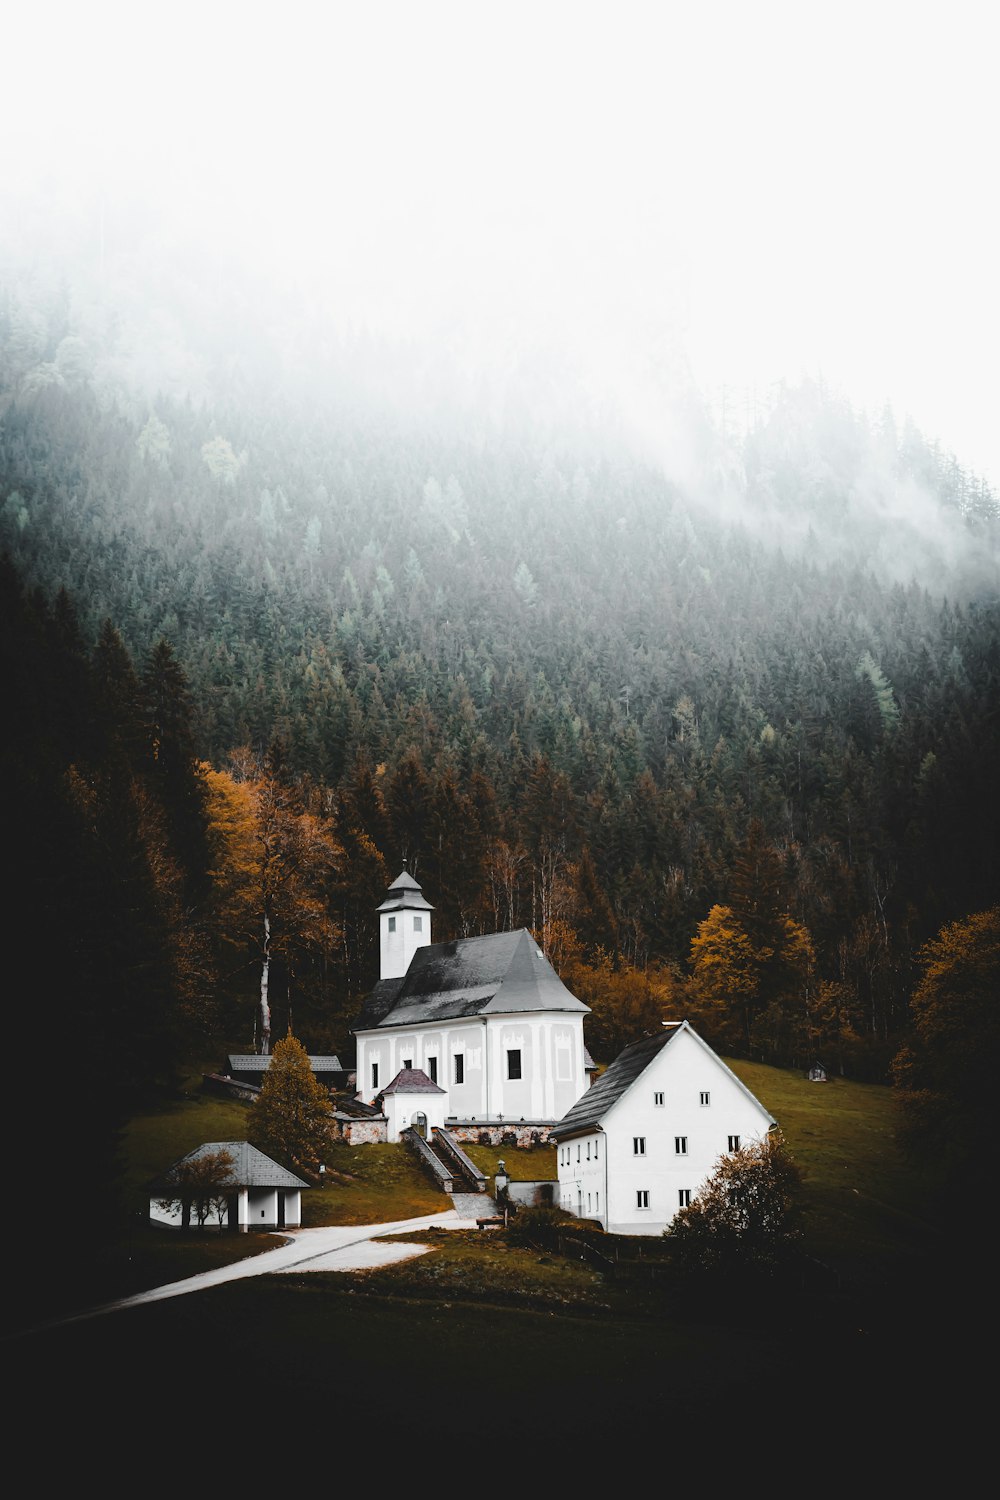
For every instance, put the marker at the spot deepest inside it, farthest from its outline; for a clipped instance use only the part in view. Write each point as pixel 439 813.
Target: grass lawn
pixel 371 1185
pixel 481 1266
pixel 868 1215
pixel 536 1164
pixel 868 1211
pixel 480 1343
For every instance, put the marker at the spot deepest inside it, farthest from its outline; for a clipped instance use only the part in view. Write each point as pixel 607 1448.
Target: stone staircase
pixel 446 1162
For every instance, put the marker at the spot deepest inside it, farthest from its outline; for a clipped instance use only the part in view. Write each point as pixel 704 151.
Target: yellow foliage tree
pixel 738 986
pixel 274 862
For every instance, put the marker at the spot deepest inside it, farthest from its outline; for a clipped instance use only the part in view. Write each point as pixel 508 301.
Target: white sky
pixel 769 188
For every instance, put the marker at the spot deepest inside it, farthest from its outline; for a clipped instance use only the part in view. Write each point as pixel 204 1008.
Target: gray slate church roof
pixel 503 973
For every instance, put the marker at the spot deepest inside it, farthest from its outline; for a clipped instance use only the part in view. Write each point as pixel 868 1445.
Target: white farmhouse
pixel 640 1143
pixel 487 1019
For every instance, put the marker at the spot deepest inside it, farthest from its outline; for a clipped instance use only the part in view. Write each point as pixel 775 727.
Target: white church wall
pixel 550 1052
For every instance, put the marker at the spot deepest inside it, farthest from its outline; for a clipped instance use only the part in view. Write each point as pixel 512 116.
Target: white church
pixel 478 1032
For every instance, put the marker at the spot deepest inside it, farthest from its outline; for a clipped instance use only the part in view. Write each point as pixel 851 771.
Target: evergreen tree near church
pixel 291 1117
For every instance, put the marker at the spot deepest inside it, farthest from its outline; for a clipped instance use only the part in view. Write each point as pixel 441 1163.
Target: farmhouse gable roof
pixel 590 1111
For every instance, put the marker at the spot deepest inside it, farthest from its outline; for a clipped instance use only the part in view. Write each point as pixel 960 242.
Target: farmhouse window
pixel 705 1098
pixel 642 1198
pixel 734 1143
pixel 658 1100
pixel 684 1197
pixel 638 1145
pixel 681 1145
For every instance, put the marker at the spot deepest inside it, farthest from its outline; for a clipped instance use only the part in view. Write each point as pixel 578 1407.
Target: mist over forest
pixel 698 682
pixel 479 609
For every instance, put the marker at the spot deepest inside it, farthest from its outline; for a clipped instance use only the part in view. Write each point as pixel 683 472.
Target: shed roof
pixel 251 1168
pixel 500 974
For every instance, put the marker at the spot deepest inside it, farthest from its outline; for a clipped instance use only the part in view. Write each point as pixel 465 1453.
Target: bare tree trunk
pixel 265 1009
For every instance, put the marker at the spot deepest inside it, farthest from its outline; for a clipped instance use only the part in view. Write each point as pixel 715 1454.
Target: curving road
pixel 350 1247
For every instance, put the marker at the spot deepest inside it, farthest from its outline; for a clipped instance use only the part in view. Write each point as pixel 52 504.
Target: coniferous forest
pixel 277 619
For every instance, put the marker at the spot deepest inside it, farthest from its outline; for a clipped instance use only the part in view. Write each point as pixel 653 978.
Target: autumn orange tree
pixel 275 862
pixel 745 1218
pixel 945 1073
pixel 752 963
pixel 740 990
pixel 291 1117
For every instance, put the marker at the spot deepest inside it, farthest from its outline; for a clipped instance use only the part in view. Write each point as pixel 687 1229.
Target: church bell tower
pixel 404 926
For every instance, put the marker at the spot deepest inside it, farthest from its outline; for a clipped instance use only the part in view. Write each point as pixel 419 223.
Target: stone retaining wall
pixel 361 1132
pixel 523 1133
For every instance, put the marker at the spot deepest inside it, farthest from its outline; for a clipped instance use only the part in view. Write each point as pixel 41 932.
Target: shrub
pixel 745 1217
pixel 537 1227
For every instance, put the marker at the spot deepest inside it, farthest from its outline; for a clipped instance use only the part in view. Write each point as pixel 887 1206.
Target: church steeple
pixel 404 925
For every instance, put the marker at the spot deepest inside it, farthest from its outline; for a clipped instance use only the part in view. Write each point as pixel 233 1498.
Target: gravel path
pixel 350 1247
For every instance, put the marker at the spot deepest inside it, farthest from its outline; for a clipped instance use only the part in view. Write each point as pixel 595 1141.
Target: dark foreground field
pixel 490 1367
pixel 293 1376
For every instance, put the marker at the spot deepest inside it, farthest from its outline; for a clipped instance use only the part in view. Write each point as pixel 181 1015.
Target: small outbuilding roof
pixel 255 1062
pixel 411 1081
pixel 251 1168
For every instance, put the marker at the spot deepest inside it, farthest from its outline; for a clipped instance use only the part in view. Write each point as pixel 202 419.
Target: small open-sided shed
pixel 253 1192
